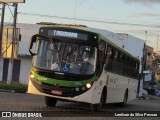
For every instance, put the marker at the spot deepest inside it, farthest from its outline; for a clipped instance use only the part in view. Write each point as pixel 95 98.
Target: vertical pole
pixel 146 36
pixel 1 28
pixel 75 11
pixel 13 41
pixel 157 41
pixel 141 79
pixel 145 53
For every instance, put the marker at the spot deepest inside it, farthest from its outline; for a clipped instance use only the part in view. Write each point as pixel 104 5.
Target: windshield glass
pixel 65 57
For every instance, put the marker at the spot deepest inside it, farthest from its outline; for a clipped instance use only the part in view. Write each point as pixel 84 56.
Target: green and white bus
pixel 74 64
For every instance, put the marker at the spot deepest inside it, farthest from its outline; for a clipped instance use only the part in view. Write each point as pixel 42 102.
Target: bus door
pixel 111 78
pixel 101 74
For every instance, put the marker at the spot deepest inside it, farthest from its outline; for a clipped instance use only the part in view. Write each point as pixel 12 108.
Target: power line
pixel 91 20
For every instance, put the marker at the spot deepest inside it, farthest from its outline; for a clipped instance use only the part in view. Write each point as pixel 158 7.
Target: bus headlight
pixel 31 76
pixel 88 85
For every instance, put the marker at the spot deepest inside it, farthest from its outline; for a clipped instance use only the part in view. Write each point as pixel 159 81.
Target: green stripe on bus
pixel 62 82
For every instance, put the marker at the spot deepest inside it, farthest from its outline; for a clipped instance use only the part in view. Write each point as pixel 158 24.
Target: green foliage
pixel 19 88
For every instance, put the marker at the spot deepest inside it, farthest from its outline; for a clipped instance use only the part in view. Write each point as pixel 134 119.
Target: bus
pixel 74 64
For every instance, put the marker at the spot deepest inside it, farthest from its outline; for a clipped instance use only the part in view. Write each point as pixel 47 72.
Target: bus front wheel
pixel 50 101
pixel 98 107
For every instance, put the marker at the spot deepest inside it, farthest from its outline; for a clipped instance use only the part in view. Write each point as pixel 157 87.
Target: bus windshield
pixel 65 57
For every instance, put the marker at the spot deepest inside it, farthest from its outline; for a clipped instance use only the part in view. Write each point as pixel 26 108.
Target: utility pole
pixel 1 28
pixel 143 62
pixel 157 41
pixel 146 36
pixel 75 11
pixel 13 41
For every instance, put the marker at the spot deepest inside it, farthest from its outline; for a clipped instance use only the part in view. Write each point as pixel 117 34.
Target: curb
pixel 152 97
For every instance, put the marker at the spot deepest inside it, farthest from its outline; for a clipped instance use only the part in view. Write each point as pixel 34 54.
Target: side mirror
pixel 33 40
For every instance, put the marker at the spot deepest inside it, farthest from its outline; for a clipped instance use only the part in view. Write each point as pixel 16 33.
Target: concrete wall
pixel 26 64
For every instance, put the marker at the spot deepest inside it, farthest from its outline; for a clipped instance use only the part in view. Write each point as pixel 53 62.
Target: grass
pixel 13 87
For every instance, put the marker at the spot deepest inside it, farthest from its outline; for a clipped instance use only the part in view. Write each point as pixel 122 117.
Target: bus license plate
pixel 57 92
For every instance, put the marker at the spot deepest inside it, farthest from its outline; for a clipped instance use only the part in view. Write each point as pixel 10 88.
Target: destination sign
pixel 68 34
pixel 65 34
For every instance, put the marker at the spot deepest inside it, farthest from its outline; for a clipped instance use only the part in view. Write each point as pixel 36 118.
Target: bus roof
pixel 100 36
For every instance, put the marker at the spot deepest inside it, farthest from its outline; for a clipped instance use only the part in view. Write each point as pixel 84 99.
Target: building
pixel 149 57
pixel 156 67
pixel 157 75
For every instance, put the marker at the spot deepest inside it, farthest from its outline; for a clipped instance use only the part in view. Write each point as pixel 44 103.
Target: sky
pixel 140 18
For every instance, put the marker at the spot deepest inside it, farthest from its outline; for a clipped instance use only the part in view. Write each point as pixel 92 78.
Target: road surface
pixel 33 103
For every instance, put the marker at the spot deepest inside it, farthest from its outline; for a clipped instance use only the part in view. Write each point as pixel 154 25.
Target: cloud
pixel 144 14
pixel 144 2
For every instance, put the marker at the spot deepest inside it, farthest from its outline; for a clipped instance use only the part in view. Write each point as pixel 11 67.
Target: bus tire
pixel 94 107
pixel 98 107
pixel 51 102
pixel 122 104
pixel 103 98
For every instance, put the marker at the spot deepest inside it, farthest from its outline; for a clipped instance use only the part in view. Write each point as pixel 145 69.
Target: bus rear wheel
pixel 122 104
pixel 51 102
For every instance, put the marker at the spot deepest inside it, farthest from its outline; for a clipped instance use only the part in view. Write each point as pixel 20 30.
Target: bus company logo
pixel 78 83
pixel 6 114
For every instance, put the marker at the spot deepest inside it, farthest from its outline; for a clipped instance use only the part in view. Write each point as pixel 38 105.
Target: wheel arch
pixel 104 93
pixel 126 93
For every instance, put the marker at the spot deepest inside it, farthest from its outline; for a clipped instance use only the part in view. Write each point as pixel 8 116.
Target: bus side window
pixel 109 59
pixel 115 62
pixel 121 63
pixel 101 57
pixel 124 65
pixel 135 70
pixel 128 67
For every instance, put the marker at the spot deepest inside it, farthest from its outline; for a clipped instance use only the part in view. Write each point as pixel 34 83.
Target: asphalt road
pixel 33 103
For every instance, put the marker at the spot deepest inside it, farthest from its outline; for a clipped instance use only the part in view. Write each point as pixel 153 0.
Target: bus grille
pixel 64 77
